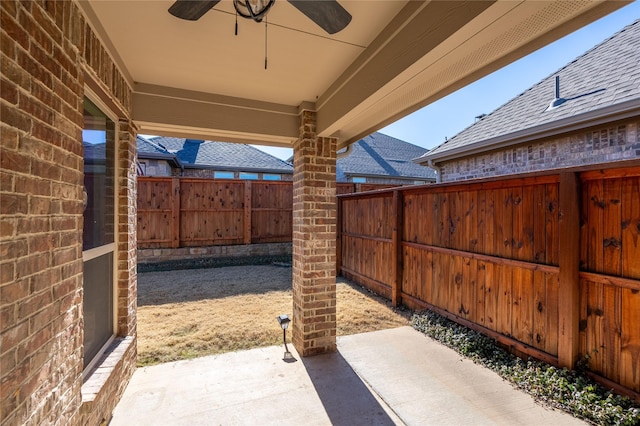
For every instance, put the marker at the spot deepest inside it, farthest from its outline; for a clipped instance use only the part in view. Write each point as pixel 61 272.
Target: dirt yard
pixel 195 312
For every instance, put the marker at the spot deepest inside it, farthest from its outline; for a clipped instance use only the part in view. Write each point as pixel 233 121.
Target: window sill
pixel 113 358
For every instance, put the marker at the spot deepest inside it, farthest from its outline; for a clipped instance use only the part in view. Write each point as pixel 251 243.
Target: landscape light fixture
pixel 284 321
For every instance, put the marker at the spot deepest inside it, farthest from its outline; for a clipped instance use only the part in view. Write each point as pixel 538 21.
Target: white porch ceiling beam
pixel 176 112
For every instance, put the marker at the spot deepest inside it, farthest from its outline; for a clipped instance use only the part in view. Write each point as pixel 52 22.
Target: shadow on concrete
pixel 346 399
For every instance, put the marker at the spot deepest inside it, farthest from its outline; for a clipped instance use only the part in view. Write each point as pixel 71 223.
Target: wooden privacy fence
pixel 548 264
pixel 194 212
pixel 189 212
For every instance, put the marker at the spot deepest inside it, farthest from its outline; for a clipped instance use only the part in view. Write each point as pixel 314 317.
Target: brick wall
pixel 157 168
pixel 48 55
pixel 314 240
pixel 593 146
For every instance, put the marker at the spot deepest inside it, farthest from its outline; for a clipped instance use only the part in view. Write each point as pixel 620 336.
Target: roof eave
pixel 401 177
pixel 154 156
pixel 238 169
pixel 597 117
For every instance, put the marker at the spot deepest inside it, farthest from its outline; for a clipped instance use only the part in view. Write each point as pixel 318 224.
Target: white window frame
pixel 111 247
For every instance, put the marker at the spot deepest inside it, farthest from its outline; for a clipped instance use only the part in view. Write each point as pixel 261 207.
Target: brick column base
pixel 314 240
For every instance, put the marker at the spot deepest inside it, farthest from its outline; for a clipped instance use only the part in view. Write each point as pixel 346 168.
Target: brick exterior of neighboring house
pixel 596 123
pixel 51 59
pixel 596 145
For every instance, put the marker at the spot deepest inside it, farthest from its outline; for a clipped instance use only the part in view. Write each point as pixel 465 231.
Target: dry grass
pixel 190 313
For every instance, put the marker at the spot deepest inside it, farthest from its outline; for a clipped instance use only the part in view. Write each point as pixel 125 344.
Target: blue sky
pixel 429 126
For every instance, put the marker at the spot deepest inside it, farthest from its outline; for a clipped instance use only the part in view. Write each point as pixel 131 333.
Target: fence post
pixel 247 212
pixel 569 264
pixel 175 212
pixel 396 249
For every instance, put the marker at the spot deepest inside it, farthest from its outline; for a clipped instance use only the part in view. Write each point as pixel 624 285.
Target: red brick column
pixel 127 226
pixel 314 240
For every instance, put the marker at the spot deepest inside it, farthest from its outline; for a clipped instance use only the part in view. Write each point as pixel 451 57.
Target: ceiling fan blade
pixel 328 14
pixel 191 10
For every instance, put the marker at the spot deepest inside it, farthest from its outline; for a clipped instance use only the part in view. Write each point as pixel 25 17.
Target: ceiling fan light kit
pixel 253 9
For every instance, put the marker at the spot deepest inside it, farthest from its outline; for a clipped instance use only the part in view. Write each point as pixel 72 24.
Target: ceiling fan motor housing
pixel 253 9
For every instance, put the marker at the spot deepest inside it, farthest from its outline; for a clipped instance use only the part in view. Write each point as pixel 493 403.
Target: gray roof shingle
pixel 146 147
pixel 382 155
pixel 221 155
pixel 606 76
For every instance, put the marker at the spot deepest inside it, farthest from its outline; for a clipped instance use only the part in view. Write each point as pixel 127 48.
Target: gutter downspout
pixel 431 164
pixel 346 152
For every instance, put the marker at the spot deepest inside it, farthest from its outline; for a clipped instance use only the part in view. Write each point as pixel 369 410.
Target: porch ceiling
pixel 198 79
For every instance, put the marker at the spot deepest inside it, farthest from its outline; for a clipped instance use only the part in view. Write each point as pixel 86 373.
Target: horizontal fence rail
pixel 549 265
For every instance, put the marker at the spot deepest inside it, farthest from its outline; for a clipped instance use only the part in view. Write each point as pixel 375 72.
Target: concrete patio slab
pixel 388 377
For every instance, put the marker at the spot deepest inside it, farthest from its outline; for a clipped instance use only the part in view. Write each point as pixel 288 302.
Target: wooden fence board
pixel 630 340
pixel 456 233
pixel 539 224
pixel 469 290
pixel 491 296
pixel 503 222
pixel 505 300
pixel 522 307
pixel 471 225
pixel 426 284
pixel 526 252
pixel 595 339
pixel 612 233
pixel 539 314
pixel 489 223
pixel 444 205
pixel 551 224
pixel 611 332
pixel 518 238
pixel 481 273
pixel 480 221
pixel 457 278
pixel 630 224
pixel 411 275
pixel 553 304
pixel 595 215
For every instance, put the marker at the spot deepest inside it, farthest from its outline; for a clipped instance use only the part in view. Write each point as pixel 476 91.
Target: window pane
pixel 359 180
pixel 271 177
pixel 97 304
pixel 98 138
pixel 223 175
pixel 99 162
pixel 249 176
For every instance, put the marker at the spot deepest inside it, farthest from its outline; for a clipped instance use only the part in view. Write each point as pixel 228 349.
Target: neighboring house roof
pixel 151 150
pixel 600 86
pixel 94 152
pixel 216 155
pixel 379 155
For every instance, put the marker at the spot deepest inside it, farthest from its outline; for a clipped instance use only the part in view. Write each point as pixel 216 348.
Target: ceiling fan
pixel 327 14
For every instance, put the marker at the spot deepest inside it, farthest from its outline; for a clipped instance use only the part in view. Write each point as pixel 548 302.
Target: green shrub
pixel 570 391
